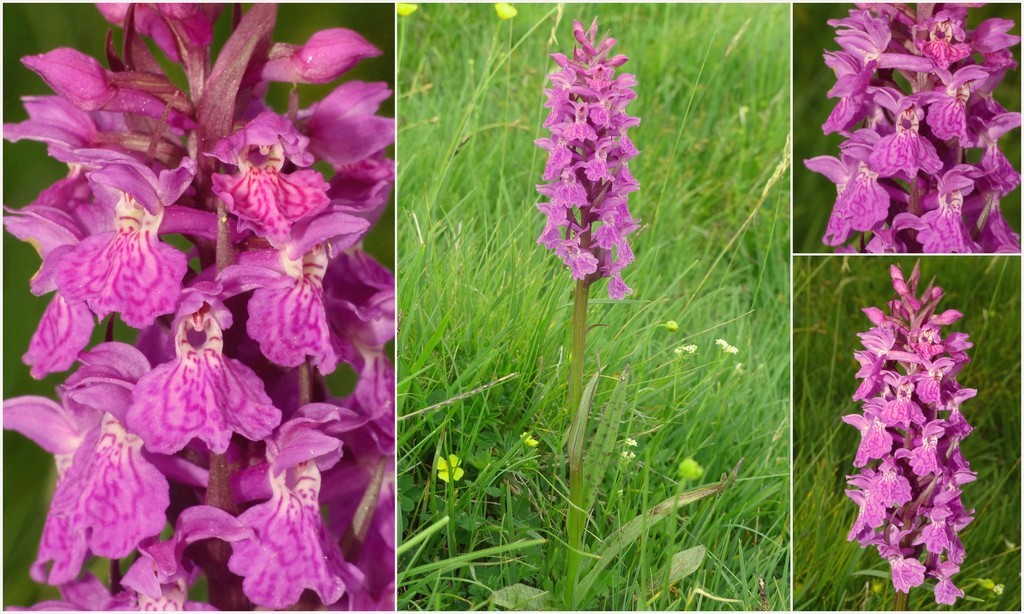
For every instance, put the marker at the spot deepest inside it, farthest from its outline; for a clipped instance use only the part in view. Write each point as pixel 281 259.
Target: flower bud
pixel 505 10
pixel 75 76
pixel 690 469
pixel 327 55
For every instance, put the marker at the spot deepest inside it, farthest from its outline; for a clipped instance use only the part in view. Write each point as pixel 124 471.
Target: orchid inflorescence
pixel 587 171
pixel 216 421
pixel 911 467
pixel 920 169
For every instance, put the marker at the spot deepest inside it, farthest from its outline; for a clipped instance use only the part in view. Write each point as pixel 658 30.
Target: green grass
pixel 829 572
pixel 813 194
pixel 480 300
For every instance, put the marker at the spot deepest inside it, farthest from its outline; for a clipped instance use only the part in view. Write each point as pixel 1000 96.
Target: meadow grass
pixel 829 572
pixel 481 302
pixel 813 194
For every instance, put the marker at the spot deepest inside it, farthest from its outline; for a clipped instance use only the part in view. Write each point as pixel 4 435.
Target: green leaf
pixel 632 530
pixel 683 564
pixel 520 597
pixel 578 429
pixel 600 452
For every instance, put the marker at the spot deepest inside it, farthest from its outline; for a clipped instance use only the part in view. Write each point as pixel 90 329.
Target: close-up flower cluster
pixel 916 100
pixel 210 444
pixel 911 467
pixel 587 171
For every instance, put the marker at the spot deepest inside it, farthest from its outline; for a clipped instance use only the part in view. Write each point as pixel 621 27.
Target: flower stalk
pixel 579 407
pixel 901 602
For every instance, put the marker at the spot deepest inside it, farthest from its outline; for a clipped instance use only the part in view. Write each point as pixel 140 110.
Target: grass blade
pixel 457 562
pixel 422 535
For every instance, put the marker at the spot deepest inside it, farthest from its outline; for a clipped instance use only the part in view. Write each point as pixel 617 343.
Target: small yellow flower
pixel 450 469
pixel 528 440
pixel 672 326
pixel 505 10
pixel 630 442
pixel 405 9
pixel 877 587
pixel 690 469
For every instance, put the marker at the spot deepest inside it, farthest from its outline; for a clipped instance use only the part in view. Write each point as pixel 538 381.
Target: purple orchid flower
pixel 587 218
pixel 907 491
pixel 902 144
pixel 216 421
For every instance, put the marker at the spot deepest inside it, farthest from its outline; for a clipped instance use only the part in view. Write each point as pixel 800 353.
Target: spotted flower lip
pixel 267 200
pixel 587 174
pixel 127 269
pixel 911 467
pixel 290 550
pixel 201 393
pixel 917 129
pixel 108 498
pixel 288 313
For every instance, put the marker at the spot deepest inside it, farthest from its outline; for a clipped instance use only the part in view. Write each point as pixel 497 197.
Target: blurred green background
pixel 828 293
pixel 36 28
pixel 813 194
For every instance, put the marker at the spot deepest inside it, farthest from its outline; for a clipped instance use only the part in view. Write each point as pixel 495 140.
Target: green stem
pixel 902 602
pixel 578 347
pixel 576 517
